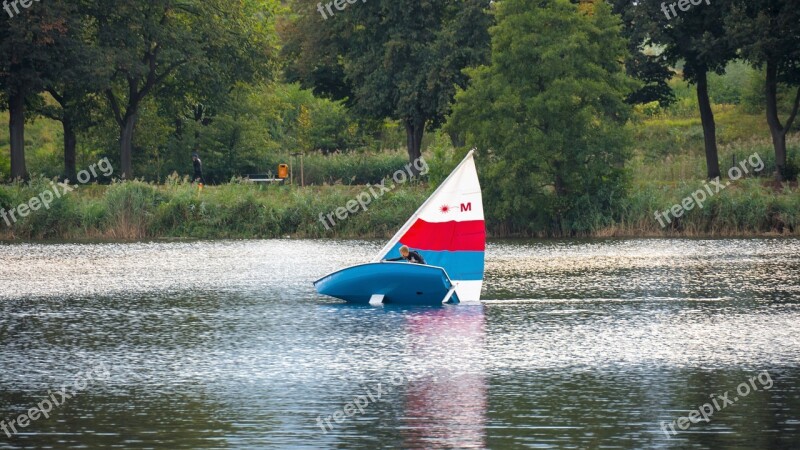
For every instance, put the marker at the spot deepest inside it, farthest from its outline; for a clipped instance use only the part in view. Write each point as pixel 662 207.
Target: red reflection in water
pixel 447 408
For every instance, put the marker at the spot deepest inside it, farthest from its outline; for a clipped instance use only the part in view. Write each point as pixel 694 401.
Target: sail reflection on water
pixel 445 407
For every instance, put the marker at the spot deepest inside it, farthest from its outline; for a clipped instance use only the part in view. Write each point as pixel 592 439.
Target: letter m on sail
pixel 466 207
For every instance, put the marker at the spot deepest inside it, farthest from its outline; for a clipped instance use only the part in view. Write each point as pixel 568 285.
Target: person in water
pixel 408 255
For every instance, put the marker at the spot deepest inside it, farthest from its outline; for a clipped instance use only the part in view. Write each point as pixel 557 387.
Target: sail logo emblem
pixel 465 207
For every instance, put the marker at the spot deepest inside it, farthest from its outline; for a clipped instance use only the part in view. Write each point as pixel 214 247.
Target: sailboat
pixel 448 230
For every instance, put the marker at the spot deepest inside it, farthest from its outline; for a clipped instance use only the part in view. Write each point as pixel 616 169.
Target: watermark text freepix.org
pixel 364 199
pixel 7 5
pixel 699 197
pixel 338 4
pixel 360 402
pixel 54 400
pixel 47 197
pixel 718 403
pixel 683 5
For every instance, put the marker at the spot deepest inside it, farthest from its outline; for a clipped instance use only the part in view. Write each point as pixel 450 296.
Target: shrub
pixel 130 208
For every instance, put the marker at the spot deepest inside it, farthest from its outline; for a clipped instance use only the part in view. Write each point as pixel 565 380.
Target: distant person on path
pixel 198 168
pixel 408 255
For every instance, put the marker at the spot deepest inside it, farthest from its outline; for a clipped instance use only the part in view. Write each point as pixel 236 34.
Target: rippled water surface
pixel 579 344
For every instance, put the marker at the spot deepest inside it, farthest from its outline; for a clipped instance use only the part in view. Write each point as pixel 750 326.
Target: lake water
pixel 579 344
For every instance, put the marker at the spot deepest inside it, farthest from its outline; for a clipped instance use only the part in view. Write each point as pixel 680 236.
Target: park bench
pixel 262 178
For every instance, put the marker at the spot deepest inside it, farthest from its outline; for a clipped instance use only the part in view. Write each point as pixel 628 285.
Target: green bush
pixel 48 221
pixel 767 153
pixel 753 93
pixel 130 207
pixel 731 87
pixel 6 200
pixel 343 168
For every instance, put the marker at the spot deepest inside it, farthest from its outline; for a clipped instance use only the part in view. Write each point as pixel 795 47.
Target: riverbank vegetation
pixel 179 209
pixel 664 169
pixel 576 144
pixel 138 210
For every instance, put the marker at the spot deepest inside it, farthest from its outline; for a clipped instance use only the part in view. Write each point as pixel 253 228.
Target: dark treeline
pixel 104 62
pixel 543 89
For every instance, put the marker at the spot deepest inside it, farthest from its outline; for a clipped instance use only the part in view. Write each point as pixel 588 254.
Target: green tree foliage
pixel 766 31
pixel 248 131
pixel 266 123
pixel 548 116
pixel 207 44
pixel 731 87
pixel 644 63
pixel 74 81
pixel 696 38
pixel 311 50
pixel 28 42
pixel 303 122
pixel 396 59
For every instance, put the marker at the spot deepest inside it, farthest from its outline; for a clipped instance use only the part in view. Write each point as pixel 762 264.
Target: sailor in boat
pixel 408 255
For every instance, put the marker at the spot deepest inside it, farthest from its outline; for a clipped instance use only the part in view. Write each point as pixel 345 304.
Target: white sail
pixel 449 230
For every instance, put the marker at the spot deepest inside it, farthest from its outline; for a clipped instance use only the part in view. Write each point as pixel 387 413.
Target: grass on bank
pixel 749 206
pixel 138 210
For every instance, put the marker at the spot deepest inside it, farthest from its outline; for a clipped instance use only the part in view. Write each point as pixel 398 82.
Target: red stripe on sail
pixel 447 236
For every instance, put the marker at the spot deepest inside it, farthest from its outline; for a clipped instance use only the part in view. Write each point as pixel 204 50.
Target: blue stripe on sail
pixel 466 266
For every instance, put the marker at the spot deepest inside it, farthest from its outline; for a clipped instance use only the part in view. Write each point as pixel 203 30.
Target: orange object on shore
pixel 283 171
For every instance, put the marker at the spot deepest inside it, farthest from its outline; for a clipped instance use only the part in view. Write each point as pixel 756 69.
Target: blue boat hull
pixel 400 283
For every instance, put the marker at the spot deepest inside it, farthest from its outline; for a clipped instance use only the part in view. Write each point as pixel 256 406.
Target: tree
pixel 548 116
pixel 400 59
pixel 313 58
pixel 767 33
pixel 646 65
pixel 697 38
pixel 26 43
pixel 149 44
pixel 74 80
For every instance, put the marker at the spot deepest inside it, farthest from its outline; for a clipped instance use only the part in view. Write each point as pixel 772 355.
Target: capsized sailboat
pixel 448 230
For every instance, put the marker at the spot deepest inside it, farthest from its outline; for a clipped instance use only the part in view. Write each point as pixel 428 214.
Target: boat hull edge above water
pixel 390 283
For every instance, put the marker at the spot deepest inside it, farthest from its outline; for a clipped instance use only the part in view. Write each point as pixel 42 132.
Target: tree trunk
pixel 559 185
pixel 709 126
pixel 457 139
pixel 16 125
pixel 414 132
pixel 126 146
pixel 775 127
pixel 70 142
